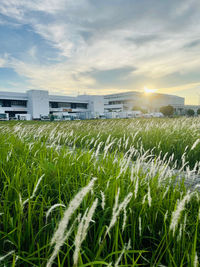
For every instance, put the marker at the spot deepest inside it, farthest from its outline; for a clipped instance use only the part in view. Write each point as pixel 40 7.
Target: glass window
pixel 59 105
pixel 53 104
pixel 21 103
pixel 6 103
pixel 64 105
pixel 10 103
pixel 81 105
pixel 73 105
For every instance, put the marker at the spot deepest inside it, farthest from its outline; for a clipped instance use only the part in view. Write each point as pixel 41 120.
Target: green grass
pixel 129 155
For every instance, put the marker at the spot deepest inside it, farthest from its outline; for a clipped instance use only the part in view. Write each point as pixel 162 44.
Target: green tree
pixel 198 111
pixel 51 117
pixel 167 110
pixel 136 108
pixel 190 112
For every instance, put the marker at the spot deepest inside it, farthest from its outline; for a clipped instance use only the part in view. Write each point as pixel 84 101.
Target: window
pixel 73 105
pixel 3 116
pixel 67 105
pixel 6 103
pixel 64 105
pixel 81 105
pixel 53 104
pixel 59 105
pixel 116 102
pixel 21 103
pixel 10 103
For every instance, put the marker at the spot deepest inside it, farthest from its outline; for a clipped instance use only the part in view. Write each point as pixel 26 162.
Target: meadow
pixel 100 193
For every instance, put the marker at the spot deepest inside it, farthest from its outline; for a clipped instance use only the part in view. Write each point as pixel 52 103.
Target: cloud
pixel 94 39
pixel 18 8
pixel 181 87
pixel 2 62
pixel 190 91
pixel 193 44
pixel 54 78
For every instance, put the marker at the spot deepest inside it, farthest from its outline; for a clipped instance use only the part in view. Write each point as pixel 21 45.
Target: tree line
pixel 169 111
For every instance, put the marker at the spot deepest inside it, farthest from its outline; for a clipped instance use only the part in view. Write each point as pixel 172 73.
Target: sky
pixel 101 46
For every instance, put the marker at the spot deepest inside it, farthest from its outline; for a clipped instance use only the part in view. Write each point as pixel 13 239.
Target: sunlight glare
pixel 149 91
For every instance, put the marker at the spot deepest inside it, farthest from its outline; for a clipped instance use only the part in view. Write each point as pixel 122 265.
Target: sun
pixel 149 91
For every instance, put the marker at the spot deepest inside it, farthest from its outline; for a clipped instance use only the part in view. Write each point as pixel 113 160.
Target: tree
pixel 136 108
pixel 190 112
pixel 167 110
pixel 198 111
pixel 51 117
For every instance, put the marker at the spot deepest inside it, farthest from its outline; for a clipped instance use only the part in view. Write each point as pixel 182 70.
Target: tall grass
pixel 99 193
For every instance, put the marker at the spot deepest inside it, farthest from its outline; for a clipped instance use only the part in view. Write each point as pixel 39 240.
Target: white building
pixel 39 103
pixel 95 105
pixel 134 100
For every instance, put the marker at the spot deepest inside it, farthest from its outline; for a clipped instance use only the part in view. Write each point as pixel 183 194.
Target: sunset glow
pixel 149 91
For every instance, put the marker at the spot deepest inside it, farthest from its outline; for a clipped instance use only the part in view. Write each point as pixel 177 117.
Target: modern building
pixel 148 101
pixel 39 103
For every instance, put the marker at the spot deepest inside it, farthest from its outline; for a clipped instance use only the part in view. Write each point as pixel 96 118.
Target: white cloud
pixel 181 87
pixel 54 78
pixel 18 8
pixel 2 62
pixel 104 35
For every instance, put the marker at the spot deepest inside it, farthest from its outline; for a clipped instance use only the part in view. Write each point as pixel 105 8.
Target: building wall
pixel 13 96
pixel 95 105
pixel 16 103
pixel 151 102
pixel 38 103
pixel 160 100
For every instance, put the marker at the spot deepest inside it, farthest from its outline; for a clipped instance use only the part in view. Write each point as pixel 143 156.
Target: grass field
pixel 100 193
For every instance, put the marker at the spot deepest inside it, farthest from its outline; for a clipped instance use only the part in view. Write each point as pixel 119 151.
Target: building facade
pixel 134 100
pixel 39 103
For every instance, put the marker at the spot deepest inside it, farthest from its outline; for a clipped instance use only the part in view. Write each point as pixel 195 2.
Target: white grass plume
pixel 165 193
pixel 124 220
pixel 68 233
pixel 9 155
pixel 117 209
pixel 196 261
pixel 8 254
pixel 195 144
pixel 126 247
pixel 144 199
pixel 180 233
pixel 59 236
pixel 106 148
pixel 132 171
pixel 82 230
pixel 34 191
pixel 103 200
pixel 140 225
pixel 166 215
pixel 149 196
pixel 52 208
pixel 136 187
pixel 197 186
pixel 176 214
pixel 98 148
